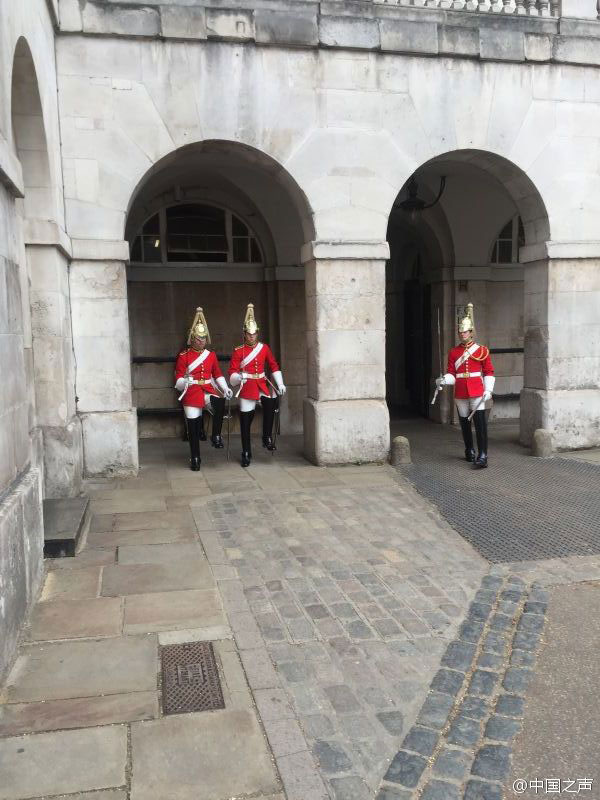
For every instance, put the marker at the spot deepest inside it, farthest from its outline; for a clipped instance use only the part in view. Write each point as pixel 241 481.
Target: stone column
pixel 562 346
pixel 346 418
pixel 102 352
pixel 48 252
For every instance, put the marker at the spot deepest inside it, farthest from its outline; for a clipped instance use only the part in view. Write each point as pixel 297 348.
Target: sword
pixel 228 424
pixel 437 389
pixel 472 414
pixel 276 430
pixel 276 426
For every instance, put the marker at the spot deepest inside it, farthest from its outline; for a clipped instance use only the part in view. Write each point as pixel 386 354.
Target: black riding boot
pixel 193 426
pixel 218 407
pixel 482 442
pixel 269 405
pixel 246 418
pixel 201 431
pixel 467 432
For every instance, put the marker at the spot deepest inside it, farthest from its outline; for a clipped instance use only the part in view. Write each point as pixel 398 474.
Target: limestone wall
pixel 27 33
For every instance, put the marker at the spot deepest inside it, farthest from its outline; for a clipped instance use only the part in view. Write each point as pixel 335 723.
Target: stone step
pixel 64 522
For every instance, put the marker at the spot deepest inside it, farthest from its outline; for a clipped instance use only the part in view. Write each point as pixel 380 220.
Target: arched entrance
pixel 45 298
pixel 469 246
pixel 216 225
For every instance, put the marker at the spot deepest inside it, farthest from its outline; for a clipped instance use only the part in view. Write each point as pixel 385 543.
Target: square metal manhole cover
pixel 190 679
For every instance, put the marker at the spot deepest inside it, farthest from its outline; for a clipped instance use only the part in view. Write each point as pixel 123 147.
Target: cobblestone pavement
pixel 366 650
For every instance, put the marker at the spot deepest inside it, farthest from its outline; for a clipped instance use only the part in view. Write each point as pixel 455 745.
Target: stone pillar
pixel 346 418
pixel 562 347
pixel 102 352
pixel 48 252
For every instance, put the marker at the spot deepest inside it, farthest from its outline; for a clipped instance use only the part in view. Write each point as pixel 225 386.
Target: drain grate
pixel 190 679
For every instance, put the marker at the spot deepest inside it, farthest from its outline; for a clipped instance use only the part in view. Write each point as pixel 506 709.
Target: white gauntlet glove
pixel 222 384
pixel 277 377
pixel 235 378
pixel 488 386
pixel 445 380
pixel 181 384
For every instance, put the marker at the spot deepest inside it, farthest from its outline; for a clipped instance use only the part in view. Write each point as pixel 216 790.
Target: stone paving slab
pixel 121 580
pixel 63 762
pixel 152 536
pixel 117 502
pixel 210 756
pixel 159 553
pixel 82 669
pixel 66 619
pixel 108 794
pixel 141 520
pixel 161 611
pixel 83 560
pixel 80 712
pixel 61 586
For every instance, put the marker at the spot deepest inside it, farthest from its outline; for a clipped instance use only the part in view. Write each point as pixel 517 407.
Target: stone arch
pixel 252 185
pixel 29 135
pixel 484 189
pixel 48 355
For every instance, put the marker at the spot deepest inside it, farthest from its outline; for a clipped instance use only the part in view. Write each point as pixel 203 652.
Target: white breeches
pixel 249 405
pixel 193 412
pixel 464 407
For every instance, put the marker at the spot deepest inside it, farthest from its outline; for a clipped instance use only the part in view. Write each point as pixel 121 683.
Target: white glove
pixel 439 382
pixel 488 387
pixel 222 384
pixel 235 379
pixel 278 378
pixel 181 384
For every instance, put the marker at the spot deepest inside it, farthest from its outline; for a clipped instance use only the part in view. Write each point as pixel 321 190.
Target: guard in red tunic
pixel 247 370
pixel 471 371
pixel 199 378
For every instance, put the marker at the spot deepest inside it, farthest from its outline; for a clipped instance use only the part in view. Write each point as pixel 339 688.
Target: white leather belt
pixel 468 374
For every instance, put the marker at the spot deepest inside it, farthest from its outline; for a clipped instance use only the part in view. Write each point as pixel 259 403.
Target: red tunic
pixel 469 375
pixel 208 369
pixel 254 386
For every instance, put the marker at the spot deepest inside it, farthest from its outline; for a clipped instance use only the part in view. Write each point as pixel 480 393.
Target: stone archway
pixel 482 191
pixel 48 351
pixel 236 184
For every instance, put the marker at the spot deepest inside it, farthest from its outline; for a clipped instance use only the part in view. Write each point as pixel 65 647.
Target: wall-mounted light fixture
pixel 413 203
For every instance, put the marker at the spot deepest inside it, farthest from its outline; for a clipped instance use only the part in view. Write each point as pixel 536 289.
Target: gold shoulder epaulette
pixel 483 353
pixel 238 347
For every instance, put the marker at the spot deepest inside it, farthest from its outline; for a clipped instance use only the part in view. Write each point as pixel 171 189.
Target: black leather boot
pixel 193 426
pixel 218 407
pixel 467 433
pixel 246 418
pixel 482 440
pixel 201 431
pixel 269 404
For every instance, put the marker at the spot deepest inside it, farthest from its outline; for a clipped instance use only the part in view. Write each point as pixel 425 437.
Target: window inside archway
pixel 195 233
pixel 509 240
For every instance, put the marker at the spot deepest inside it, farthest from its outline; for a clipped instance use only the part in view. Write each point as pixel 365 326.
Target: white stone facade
pixel 306 119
